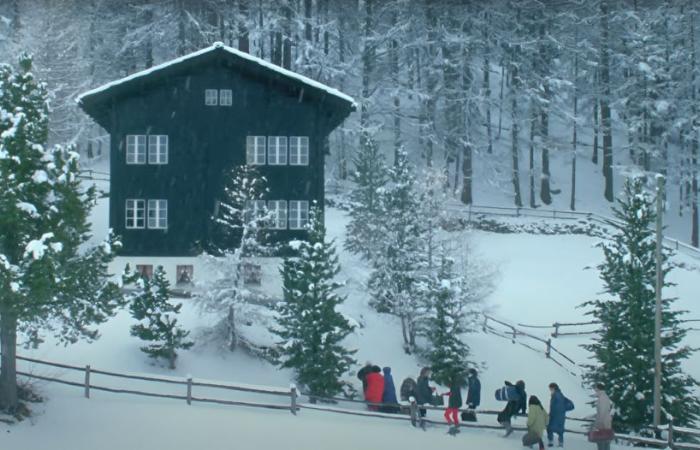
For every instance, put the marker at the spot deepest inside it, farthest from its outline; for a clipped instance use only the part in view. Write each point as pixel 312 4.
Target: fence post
pixel 414 412
pixel 517 211
pixel 548 352
pixel 515 335
pixel 670 434
pixel 293 395
pixel 189 389
pixel 486 319
pixel 556 330
pixel 87 381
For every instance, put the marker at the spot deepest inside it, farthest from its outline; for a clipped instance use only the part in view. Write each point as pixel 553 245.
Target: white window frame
pixel 277 150
pixel 278 214
pixel 298 150
pixel 255 150
pixel 211 97
pixel 157 217
pixel 225 97
pixel 158 149
pixel 136 149
pixel 255 209
pixel 298 214
pixel 132 208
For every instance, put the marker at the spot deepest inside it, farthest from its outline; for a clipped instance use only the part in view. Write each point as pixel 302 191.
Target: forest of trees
pixel 487 91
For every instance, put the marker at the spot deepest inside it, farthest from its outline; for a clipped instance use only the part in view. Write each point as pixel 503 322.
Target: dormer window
pixel 225 97
pixel 211 97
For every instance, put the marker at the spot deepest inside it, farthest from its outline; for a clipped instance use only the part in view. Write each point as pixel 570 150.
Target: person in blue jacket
pixel 558 406
pixel 473 389
pixel 389 395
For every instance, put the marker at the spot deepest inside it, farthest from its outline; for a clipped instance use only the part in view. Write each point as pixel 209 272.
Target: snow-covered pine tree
pixel 239 227
pixel 157 325
pixel 401 254
pixel 624 351
pixel 311 328
pixel 369 178
pixel 50 279
pixel 446 323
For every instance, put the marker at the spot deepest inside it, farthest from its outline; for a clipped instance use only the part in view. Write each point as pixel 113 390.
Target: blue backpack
pixel 506 393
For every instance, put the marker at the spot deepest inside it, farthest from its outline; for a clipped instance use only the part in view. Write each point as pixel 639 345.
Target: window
pixel 184 274
pixel 145 270
pixel 136 149
pixel 252 274
pixel 255 209
pixel 277 150
pixel 158 149
pixel 135 214
pixel 299 151
pixel 278 214
pixel 255 150
pixel 225 97
pixel 211 97
pixel 158 214
pixel 298 214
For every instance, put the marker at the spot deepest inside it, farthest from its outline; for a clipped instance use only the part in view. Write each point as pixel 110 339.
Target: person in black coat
pixel 473 390
pixel 424 393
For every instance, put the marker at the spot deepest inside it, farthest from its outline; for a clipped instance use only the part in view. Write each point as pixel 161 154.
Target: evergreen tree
pixel 400 262
pixel 370 176
pixel 50 280
pixel 308 322
pixel 448 354
pixel 624 350
pixel 157 318
pixel 238 235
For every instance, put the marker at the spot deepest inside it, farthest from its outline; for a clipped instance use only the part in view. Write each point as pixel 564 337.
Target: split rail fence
pixel 408 411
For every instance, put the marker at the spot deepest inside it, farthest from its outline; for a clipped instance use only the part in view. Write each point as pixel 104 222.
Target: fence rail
pixel 408 411
pixel 541 213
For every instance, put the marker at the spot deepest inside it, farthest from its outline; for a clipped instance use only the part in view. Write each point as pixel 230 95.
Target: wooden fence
pixel 409 411
pixel 504 211
pixel 512 333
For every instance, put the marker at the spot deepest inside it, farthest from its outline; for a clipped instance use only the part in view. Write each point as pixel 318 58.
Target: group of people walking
pixel 380 394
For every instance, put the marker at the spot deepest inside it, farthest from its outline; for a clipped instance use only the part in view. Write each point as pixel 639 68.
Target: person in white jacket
pixel 603 416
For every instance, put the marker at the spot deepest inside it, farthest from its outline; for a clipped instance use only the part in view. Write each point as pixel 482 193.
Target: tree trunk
pixel 605 115
pixel 595 131
pixel 394 67
pixel 8 370
pixel 287 39
pixel 513 70
pixel 531 172
pixel 243 35
pixel 500 101
pixel 487 85
pixel 367 69
pixel 545 192
pixel 574 138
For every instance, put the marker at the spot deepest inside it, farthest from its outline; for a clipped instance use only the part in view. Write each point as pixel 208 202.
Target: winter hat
pixel 387 370
pixel 472 372
pixel 376 369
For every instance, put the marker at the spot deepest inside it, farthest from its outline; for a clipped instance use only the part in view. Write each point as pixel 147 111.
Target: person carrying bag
pixel 601 432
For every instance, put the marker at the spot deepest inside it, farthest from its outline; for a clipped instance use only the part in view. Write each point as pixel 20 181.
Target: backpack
pixel 568 405
pixel 408 389
pixel 506 393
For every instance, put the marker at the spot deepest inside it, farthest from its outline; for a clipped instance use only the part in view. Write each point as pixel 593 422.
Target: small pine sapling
pixel 158 325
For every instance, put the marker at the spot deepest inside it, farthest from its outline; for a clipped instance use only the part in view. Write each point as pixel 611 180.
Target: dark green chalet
pixel 177 128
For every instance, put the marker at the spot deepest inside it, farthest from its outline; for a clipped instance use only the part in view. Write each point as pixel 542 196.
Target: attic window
pixel 225 97
pixel 211 97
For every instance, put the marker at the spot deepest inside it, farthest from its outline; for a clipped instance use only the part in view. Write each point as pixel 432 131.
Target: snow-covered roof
pixel 214 47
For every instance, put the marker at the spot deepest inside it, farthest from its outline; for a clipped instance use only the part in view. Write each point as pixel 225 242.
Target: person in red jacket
pixel 375 387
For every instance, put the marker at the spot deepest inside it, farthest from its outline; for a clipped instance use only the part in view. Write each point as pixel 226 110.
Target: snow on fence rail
pixel 408 411
pixel 540 213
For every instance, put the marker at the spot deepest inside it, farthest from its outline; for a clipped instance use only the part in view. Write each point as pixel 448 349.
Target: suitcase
pixel 468 416
pixel 601 435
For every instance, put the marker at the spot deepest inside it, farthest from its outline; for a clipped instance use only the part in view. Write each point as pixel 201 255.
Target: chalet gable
pixel 96 101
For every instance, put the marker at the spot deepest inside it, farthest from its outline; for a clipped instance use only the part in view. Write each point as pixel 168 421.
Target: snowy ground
pixel 541 280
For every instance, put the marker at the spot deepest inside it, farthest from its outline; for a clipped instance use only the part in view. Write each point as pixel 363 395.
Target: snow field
pixel 541 279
